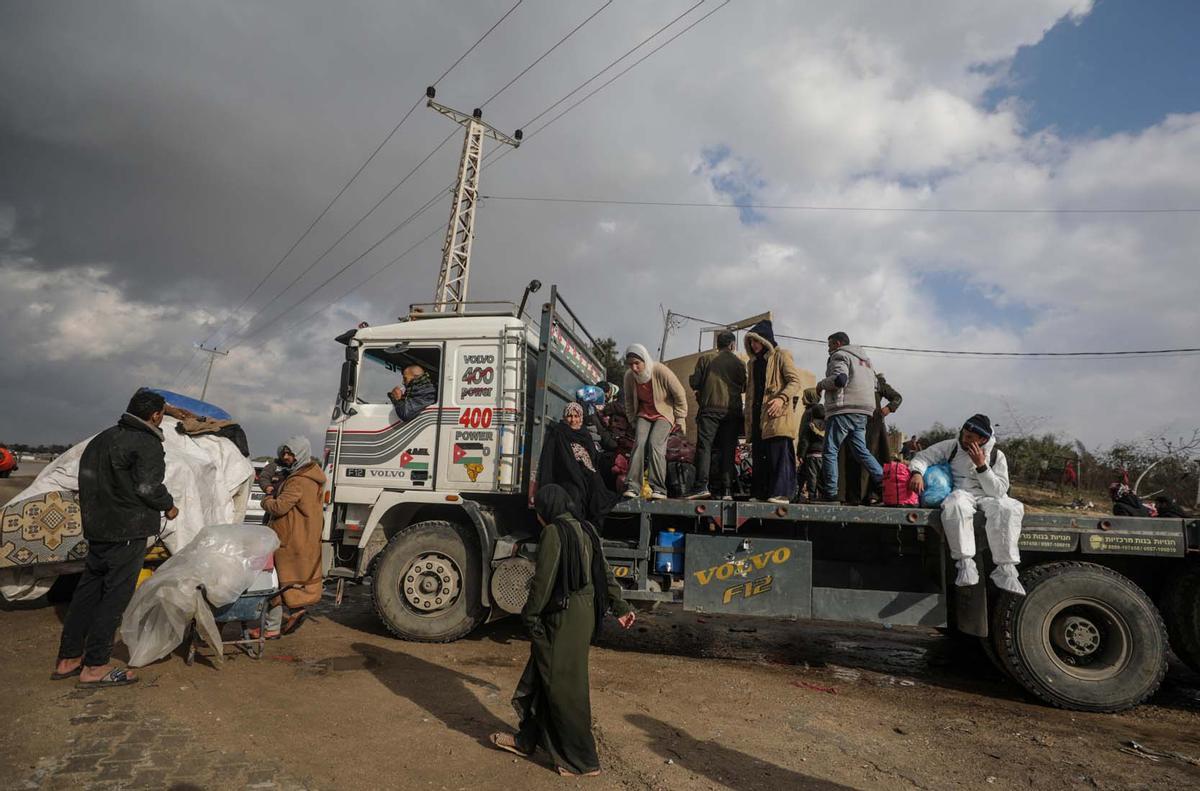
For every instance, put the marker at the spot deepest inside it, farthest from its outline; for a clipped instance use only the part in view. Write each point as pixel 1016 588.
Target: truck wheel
pixel 1181 608
pixel 427 583
pixel 1084 637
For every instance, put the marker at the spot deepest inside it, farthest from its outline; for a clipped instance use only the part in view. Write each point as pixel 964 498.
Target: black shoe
pixel 697 493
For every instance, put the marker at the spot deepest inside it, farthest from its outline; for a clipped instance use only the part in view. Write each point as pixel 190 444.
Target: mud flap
pixel 971 610
pixel 748 576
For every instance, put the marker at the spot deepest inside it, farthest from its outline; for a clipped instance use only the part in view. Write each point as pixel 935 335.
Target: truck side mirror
pixel 346 384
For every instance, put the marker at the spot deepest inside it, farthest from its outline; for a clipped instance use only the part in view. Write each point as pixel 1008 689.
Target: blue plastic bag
pixel 939 481
pixel 590 394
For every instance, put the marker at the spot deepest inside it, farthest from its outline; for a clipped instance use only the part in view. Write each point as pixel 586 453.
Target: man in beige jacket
pixel 656 405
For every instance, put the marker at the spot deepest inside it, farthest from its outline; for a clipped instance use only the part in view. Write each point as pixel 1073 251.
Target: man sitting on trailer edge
pixel 980 473
pixel 412 397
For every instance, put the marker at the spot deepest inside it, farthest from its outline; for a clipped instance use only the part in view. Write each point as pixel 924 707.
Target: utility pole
pixel 212 356
pixel 456 252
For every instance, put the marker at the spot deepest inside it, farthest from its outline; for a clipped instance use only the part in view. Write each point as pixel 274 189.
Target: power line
pixel 541 57
pixel 350 263
pixel 1011 355
pixel 347 232
pixel 597 75
pixel 631 66
pixel 629 52
pixel 818 208
pixel 542 114
pixel 967 353
pixel 387 138
pixel 479 41
pixel 436 230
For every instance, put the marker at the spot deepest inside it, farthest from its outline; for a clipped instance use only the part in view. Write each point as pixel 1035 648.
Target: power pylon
pixel 451 293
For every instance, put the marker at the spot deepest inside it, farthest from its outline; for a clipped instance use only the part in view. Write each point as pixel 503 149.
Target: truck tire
pixel 1181 609
pixel 1084 638
pixel 426 585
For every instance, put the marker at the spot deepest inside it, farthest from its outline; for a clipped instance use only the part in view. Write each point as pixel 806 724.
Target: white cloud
pixel 850 104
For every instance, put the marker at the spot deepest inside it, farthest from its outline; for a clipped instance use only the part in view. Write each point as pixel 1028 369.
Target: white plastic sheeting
pixel 207 475
pixel 225 559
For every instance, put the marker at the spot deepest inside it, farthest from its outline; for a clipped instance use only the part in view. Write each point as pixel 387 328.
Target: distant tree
pixel 936 433
pixel 605 350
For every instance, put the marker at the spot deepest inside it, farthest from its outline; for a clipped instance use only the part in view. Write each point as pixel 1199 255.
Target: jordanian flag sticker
pixel 406 461
pixel 468 453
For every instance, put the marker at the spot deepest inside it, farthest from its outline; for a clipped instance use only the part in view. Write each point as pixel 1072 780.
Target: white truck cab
pixel 432 506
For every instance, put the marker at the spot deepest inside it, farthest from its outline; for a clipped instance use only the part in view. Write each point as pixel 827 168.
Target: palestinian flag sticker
pixel 470 456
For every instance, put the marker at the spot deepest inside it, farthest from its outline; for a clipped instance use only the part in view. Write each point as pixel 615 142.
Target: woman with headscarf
pixel 572 588
pixel 1125 502
pixel 296 517
pixel 656 404
pixel 571 459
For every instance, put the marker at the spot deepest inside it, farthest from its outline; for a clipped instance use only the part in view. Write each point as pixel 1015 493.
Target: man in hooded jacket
pixel 849 388
pixel 980 473
pixel 773 386
pixel 121 497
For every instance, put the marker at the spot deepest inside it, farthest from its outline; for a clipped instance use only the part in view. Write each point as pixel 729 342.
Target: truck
pixel 436 511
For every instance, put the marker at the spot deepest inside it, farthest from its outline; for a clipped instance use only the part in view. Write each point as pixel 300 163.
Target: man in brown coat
pixel 297 518
pixel 772 388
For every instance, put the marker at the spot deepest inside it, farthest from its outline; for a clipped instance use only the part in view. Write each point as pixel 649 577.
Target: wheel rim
pixel 431 583
pixel 1087 639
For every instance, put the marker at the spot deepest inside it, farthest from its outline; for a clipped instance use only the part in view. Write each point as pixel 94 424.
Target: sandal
pixel 569 773
pixel 509 743
pixel 252 634
pixel 117 677
pixel 56 676
pixel 294 622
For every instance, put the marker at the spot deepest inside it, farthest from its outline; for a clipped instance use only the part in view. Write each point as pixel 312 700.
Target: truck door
pixel 378 448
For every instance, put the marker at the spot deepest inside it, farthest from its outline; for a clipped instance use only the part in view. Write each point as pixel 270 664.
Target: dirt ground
pixel 679 702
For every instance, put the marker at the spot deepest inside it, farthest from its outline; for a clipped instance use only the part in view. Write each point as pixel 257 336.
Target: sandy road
pixel 679 702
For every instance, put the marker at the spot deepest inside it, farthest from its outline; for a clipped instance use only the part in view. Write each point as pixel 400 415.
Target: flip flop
pixel 117 677
pixel 252 634
pixel 295 622
pixel 512 748
pixel 568 773
pixel 56 676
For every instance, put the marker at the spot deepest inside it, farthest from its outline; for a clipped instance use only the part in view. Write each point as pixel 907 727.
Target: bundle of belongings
pixel 207 473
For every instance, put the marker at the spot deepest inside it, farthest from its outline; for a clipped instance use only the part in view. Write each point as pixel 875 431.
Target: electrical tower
pixel 212 357
pixel 456 252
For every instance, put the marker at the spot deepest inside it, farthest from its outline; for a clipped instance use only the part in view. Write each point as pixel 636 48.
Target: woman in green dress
pixel 562 614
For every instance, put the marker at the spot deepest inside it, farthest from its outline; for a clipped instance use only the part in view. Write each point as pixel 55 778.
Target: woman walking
pixel 296 517
pixel 656 404
pixel 571 589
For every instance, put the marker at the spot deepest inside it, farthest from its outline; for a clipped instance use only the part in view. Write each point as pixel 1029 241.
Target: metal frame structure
pixel 451 294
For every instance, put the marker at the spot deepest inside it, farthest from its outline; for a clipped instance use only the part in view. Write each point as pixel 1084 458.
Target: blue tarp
pixel 194 405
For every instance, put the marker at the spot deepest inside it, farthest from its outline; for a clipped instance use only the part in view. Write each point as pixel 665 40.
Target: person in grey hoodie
pixel 849 388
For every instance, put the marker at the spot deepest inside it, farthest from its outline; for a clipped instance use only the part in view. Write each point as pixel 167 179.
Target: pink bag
pixel 895 485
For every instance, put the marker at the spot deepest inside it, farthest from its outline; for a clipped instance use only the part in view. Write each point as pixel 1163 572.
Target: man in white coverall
pixel 980 483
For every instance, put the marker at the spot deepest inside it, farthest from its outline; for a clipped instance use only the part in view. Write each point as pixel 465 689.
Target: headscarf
pixel 639 351
pixel 301 448
pixel 572 408
pixel 552 501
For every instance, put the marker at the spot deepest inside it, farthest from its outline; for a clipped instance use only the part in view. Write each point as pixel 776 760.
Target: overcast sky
pixel 157 159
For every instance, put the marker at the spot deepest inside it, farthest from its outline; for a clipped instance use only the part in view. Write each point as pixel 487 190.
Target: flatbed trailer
pixel 436 511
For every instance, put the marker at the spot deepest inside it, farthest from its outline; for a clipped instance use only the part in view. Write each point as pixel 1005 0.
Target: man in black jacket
pixel 719 382
pixel 412 397
pixel 121 495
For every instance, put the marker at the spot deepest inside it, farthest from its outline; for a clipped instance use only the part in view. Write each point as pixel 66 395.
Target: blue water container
pixel 669 562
